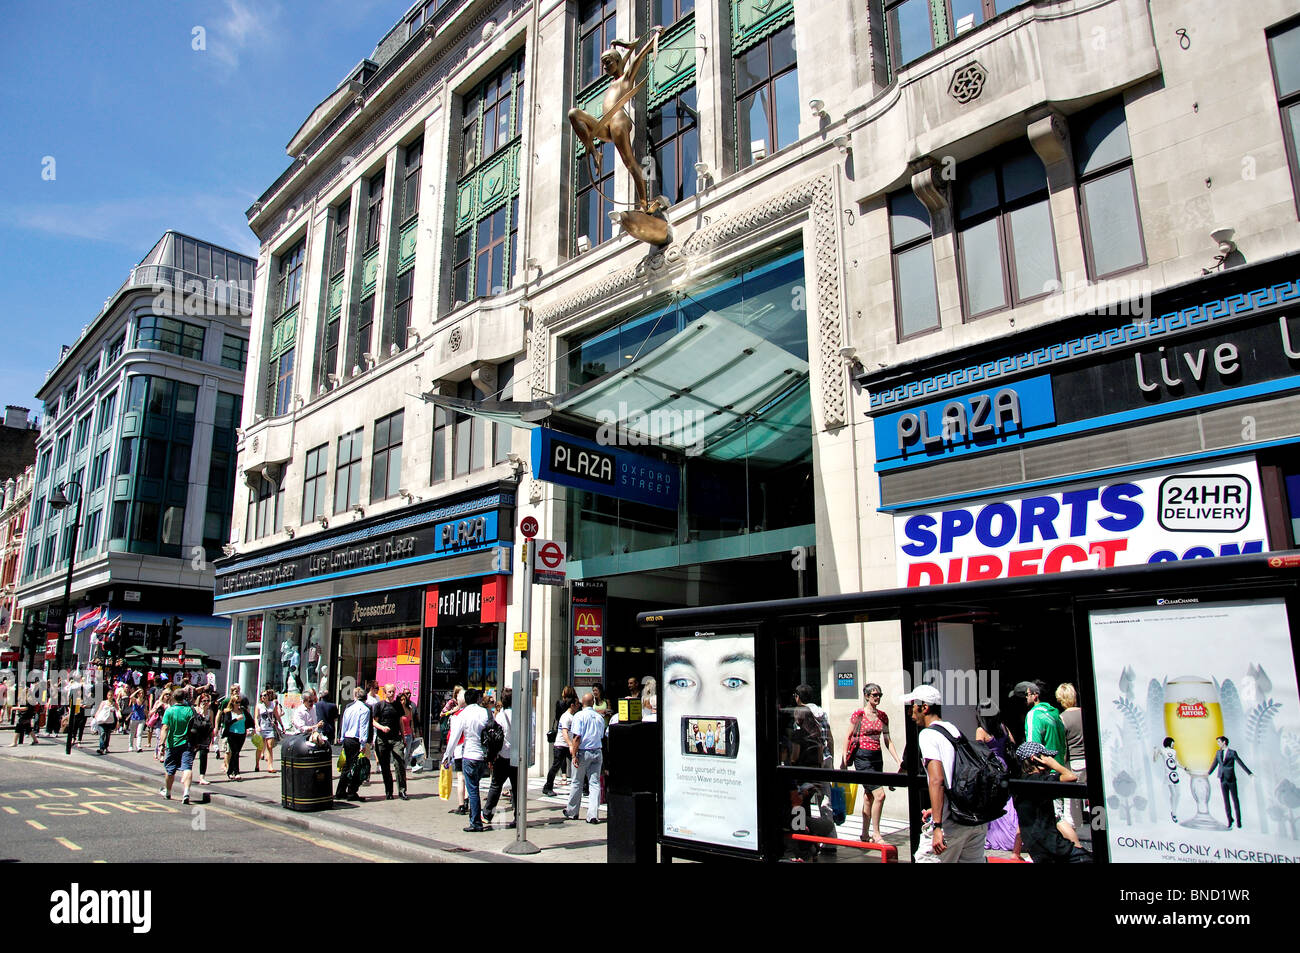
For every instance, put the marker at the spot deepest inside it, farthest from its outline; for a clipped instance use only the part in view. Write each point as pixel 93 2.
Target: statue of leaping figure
pixel 615 125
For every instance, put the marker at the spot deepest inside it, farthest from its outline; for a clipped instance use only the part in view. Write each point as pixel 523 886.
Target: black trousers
pixel 236 744
pixel 1230 790
pixel 387 751
pixel 349 780
pixel 502 771
pixel 559 759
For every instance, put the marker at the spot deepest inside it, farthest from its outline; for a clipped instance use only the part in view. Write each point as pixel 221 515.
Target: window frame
pixel 315 482
pixel 606 26
pixel 1284 103
pixel 755 89
pixel 895 249
pixel 289 283
pixel 1001 213
pixel 384 455
pixel 156 332
pixel 1081 180
pixel 239 354
pixel 412 170
pixel 339 238
pixel 344 469
pixel 374 210
pixel 675 141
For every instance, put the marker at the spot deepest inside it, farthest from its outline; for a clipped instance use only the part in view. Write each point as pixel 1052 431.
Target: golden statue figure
pixel 615 127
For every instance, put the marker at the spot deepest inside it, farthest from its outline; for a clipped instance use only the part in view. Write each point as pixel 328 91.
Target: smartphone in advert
pixel 708 693
pixel 1198 713
pixel 710 735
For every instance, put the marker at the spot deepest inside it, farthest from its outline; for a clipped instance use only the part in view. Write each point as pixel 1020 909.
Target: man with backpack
pixel 964 781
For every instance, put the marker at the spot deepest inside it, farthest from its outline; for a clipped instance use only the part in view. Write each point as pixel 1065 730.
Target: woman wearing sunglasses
pixel 868 734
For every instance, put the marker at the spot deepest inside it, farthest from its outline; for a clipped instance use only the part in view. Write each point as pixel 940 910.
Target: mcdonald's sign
pixel 588 640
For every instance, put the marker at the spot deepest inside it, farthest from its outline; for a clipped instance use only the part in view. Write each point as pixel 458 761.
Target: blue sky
pixel 146 133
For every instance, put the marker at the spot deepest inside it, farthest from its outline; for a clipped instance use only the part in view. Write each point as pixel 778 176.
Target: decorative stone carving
pixel 968 82
pixel 455 339
pixel 1049 138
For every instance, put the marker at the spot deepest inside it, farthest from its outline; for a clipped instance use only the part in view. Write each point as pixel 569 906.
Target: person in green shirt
pixel 176 739
pixel 1043 726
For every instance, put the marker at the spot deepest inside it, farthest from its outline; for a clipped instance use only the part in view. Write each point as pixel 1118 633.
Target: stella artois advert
pixel 1199 721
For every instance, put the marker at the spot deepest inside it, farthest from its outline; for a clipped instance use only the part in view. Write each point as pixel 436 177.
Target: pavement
pixel 423 829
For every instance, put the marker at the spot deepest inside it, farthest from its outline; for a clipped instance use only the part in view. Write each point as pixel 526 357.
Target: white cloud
pixel 244 25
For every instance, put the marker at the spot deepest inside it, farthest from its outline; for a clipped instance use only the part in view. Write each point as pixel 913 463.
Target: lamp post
pixel 58 501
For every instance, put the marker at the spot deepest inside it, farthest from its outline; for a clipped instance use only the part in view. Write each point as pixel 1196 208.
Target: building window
pixel 599 27
pixel 115 349
pixel 38 512
pixel 1112 227
pixel 126 457
pixel 264 509
pixel 505 391
pixel 117 526
pixel 90 535
pixel 283 366
pixel 386 462
pixel 1284 50
pixel 82 433
pixel 915 27
pixel 411 180
pixel 91 372
pixel 220 500
pixel 314 487
pixel 339 240
pixel 668 12
pixel 61 455
pixel 767 97
pixel 1007 248
pixel 99 470
pixel 43 466
pixel 916 300
pixel 483 252
pixel 362 336
pixel 675 146
pixel 156 333
pixel 329 361
pixel 33 550
pixel 347 471
pixel 402 308
pixel 441 443
pixel 47 559
pixel 593 205
pixel 289 283
pixel 374 210
pixel 107 408
pixel 234 352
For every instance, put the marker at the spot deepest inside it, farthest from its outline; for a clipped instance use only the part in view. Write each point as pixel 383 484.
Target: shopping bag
pixel 850 798
pixel 839 800
pixel 258 742
pixel 444 784
pixel 342 762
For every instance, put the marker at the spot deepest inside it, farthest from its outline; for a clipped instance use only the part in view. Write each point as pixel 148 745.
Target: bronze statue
pixel 615 126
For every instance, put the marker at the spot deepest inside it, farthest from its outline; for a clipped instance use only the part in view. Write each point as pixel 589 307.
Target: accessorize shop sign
pixel 1196 727
pixel 709 714
pixel 448 538
pixel 376 610
pixel 1161 516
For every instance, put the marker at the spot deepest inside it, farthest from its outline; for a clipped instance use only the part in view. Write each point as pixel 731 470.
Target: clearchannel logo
pixel 1176 602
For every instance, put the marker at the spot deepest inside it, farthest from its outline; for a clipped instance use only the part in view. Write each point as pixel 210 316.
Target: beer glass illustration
pixel 1194 719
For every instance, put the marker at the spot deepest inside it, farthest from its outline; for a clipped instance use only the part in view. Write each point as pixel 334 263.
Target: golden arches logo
pixel 586 622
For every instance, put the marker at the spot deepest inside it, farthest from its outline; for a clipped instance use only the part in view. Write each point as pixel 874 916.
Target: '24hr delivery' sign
pixel 1159 516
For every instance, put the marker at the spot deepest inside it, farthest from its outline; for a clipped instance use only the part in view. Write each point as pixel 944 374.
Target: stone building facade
pixel 874 207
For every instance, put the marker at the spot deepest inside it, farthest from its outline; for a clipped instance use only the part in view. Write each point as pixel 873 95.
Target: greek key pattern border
pixel 1114 338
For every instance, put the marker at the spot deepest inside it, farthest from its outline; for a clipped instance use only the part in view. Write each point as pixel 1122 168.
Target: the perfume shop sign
pixel 465 534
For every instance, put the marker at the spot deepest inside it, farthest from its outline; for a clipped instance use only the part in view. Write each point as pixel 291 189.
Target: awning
pixel 138 617
pixel 714 388
pixel 142 658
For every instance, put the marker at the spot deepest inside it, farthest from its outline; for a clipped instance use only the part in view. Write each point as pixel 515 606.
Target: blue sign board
pixel 611 471
pixel 964 423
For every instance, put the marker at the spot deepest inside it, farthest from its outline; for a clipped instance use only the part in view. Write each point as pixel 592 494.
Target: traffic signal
pixel 173 628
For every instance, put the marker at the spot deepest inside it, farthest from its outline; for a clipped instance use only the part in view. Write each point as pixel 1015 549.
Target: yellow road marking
pixel 350 852
pixel 99 861
pixel 66 843
pixel 10 810
pixel 38 825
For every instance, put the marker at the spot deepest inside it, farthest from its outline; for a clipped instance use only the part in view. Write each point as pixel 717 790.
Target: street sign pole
pixel 523 710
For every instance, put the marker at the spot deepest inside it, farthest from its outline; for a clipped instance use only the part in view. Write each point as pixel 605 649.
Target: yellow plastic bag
pixel 850 798
pixel 342 762
pixel 444 784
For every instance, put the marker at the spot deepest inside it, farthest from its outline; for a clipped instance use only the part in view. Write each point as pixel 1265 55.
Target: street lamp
pixel 58 501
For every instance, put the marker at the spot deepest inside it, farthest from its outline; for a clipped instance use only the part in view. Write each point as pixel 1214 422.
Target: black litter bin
pixel 306 775
pixel 634 771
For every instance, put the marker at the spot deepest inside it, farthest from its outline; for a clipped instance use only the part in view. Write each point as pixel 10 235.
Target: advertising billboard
pixel 709 713
pixel 588 643
pixel 1164 515
pixel 1198 731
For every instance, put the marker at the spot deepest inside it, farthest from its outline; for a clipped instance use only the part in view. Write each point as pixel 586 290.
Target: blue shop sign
pixel 611 471
pixel 964 423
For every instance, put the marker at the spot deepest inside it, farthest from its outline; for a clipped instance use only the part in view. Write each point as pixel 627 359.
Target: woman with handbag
pixel 138 714
pixel 106 716
pixel 155 719
pixel 868 735
pixel 269 716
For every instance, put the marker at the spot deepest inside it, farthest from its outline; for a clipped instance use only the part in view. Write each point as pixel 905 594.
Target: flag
pixel 107 626
pixel 89 618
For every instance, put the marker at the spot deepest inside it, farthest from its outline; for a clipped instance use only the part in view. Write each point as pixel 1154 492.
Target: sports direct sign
pixel 1161 516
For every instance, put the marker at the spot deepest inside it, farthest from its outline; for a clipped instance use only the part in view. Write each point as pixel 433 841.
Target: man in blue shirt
pixel 356 732
pixel 584 743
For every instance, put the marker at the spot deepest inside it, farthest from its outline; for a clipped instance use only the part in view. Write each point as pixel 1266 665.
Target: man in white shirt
pixel 584 744
pixel 944 840
pixel 356 732
pixel 505 767
pixel 467 728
